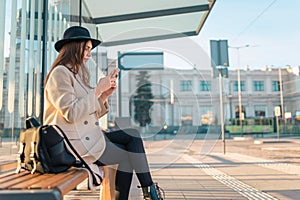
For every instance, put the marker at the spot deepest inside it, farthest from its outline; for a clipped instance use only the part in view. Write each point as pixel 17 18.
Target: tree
pixel 142 99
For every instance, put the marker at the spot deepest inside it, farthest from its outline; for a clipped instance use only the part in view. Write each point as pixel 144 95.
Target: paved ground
pixel 269 170
pixel 189 168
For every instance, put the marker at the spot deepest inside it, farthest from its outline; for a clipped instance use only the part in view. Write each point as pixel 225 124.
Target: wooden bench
pixel 36 186
pixel 25 185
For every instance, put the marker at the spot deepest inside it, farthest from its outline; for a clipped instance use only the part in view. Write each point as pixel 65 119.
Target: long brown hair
pixel 71 55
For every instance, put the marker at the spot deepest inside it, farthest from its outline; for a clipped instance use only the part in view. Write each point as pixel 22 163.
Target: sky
pixel 270 28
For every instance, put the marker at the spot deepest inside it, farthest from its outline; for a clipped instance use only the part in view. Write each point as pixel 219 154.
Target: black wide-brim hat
pixel 75 33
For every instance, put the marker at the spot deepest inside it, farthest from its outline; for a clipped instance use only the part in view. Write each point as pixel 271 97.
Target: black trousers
pixel 126 148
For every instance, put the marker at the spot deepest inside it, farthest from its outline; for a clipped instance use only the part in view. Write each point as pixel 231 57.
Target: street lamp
pixel 241 113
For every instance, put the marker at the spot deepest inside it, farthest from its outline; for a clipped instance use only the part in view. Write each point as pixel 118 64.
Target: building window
pixel 205 85
pixel 187 115
pixel 236 86
pixel 186 85
pixel 260 111
pixel 258 85
pixel 206 114
pixel 275 86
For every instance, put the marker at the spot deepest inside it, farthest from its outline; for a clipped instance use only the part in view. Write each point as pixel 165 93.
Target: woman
pixel 75 106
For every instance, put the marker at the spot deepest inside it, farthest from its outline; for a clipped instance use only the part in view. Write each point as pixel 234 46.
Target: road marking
pixel 238 186
pixel 271 164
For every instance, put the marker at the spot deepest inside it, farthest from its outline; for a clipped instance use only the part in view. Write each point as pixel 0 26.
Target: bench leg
pixel 108 183
pixel 108 191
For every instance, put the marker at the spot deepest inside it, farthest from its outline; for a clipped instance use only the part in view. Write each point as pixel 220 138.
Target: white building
pixel 197 98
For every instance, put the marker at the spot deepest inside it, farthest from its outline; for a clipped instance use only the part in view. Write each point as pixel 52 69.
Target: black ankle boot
pixel 153 192
pixel 146 193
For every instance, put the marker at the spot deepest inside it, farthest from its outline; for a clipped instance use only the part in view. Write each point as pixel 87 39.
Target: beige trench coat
pixel 75 108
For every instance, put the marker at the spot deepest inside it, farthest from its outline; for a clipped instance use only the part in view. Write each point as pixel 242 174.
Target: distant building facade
pixel 191 97
pixel 197 98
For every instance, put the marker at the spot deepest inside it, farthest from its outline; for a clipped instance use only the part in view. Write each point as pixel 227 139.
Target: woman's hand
pixel 108 82
pixel 107 93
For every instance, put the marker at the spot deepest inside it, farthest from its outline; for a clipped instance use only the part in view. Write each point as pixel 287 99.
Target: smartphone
pixel 116 73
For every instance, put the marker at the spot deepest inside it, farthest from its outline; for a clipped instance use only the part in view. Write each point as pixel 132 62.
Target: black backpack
pixel 42 149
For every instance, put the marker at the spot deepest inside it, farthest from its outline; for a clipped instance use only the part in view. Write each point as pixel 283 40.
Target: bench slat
pixel 54 179
pixel 68 184
pixel 9 165
pixel 9 178
pixel 26 184
pixel 7 175
pixel 51 179
pixel 13 180
pixel 64 182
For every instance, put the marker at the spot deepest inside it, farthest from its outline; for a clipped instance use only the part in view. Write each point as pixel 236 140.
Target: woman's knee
pixel 132 132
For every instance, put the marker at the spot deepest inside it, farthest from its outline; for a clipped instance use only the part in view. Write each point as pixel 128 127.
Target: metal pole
pixel 80 12
pixel 277 125
pixel 239 91
pixel 172 100
pixel 281 93
pixel 239 85
pixel 44 55
pixel 240 100
pixel 281 100
pixel 119 94
pixel 222 112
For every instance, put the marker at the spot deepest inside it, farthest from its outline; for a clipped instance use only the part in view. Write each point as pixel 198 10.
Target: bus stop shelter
pixel 122 22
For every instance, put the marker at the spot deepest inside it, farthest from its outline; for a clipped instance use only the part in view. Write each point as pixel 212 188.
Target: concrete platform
pixel 199 169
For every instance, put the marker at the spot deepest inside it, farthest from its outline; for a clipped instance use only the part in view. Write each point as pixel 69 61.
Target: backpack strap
pixel 20 154
pixel 84 164
pixel 32 122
